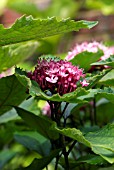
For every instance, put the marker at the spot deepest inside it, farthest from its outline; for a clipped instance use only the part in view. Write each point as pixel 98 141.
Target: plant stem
pixel 64 109
pixel 64 125
pixel 51 108
pixel 95 114
pixel 56 116
pixel 66 159
pixel 91 116
pixel 71 147
pixel 57 160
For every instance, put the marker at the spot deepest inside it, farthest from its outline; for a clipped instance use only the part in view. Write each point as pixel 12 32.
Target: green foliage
pixel 39 123
pixel 6 156
pixel 56 8
pixel 41 163
pixel 28 28
pixel 12 93
pixel 107 93
pixel 85 59
pixel 105 6
pixel 69 97
pixel 13 54
pixel 74 134
pixel 108 79
pixel 90 161
pixel 95 78
pixel 109 62
pixel 8 116
pixel 33 141
pixel 101 141
pixel 78 131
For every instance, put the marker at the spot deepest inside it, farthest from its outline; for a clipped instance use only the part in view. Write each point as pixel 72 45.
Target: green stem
pixel 95 114
pixel 66 159
pixel 64 109
pixel 56 116
pixel 52 112
pixel 91 116
pixel 64 125
pixel 71 147
pixel 57 160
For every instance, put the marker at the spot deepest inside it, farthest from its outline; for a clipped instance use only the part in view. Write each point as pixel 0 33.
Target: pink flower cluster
pixel 57 76
pixel 46 110
pixel 90 47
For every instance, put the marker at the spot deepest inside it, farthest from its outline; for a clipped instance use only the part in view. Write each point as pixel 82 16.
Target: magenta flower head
pixel 57 76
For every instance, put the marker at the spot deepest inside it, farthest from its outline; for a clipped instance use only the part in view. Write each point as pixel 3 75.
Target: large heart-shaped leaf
pixel 33 141
pixel 40 123
pixel 72 133
pixel 68 97
pixel 101 142
pixel 28 28
pixel 12 93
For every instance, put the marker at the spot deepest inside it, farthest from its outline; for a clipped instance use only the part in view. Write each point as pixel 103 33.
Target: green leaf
pixel 108 79
pixel 13 54
pixel 90 95
pixel 102 142
pixel 73 133
pixel 105 111
pixel 5 157
pixel 28 28
pixel 49 57
pixel 33 141
pixel 85 59
pixel 94 78
pixel 12 93
pixel 69 97
pixel 9 116
pixel 88 159
pixel 40 123
pixel 107 93
pixel 109 62
pixel 39 164
pixel 30 104
pixel 24 80
pixel 92 159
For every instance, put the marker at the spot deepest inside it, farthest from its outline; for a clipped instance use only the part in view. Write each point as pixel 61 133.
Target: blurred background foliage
pixel 12 153
pixel 100 10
